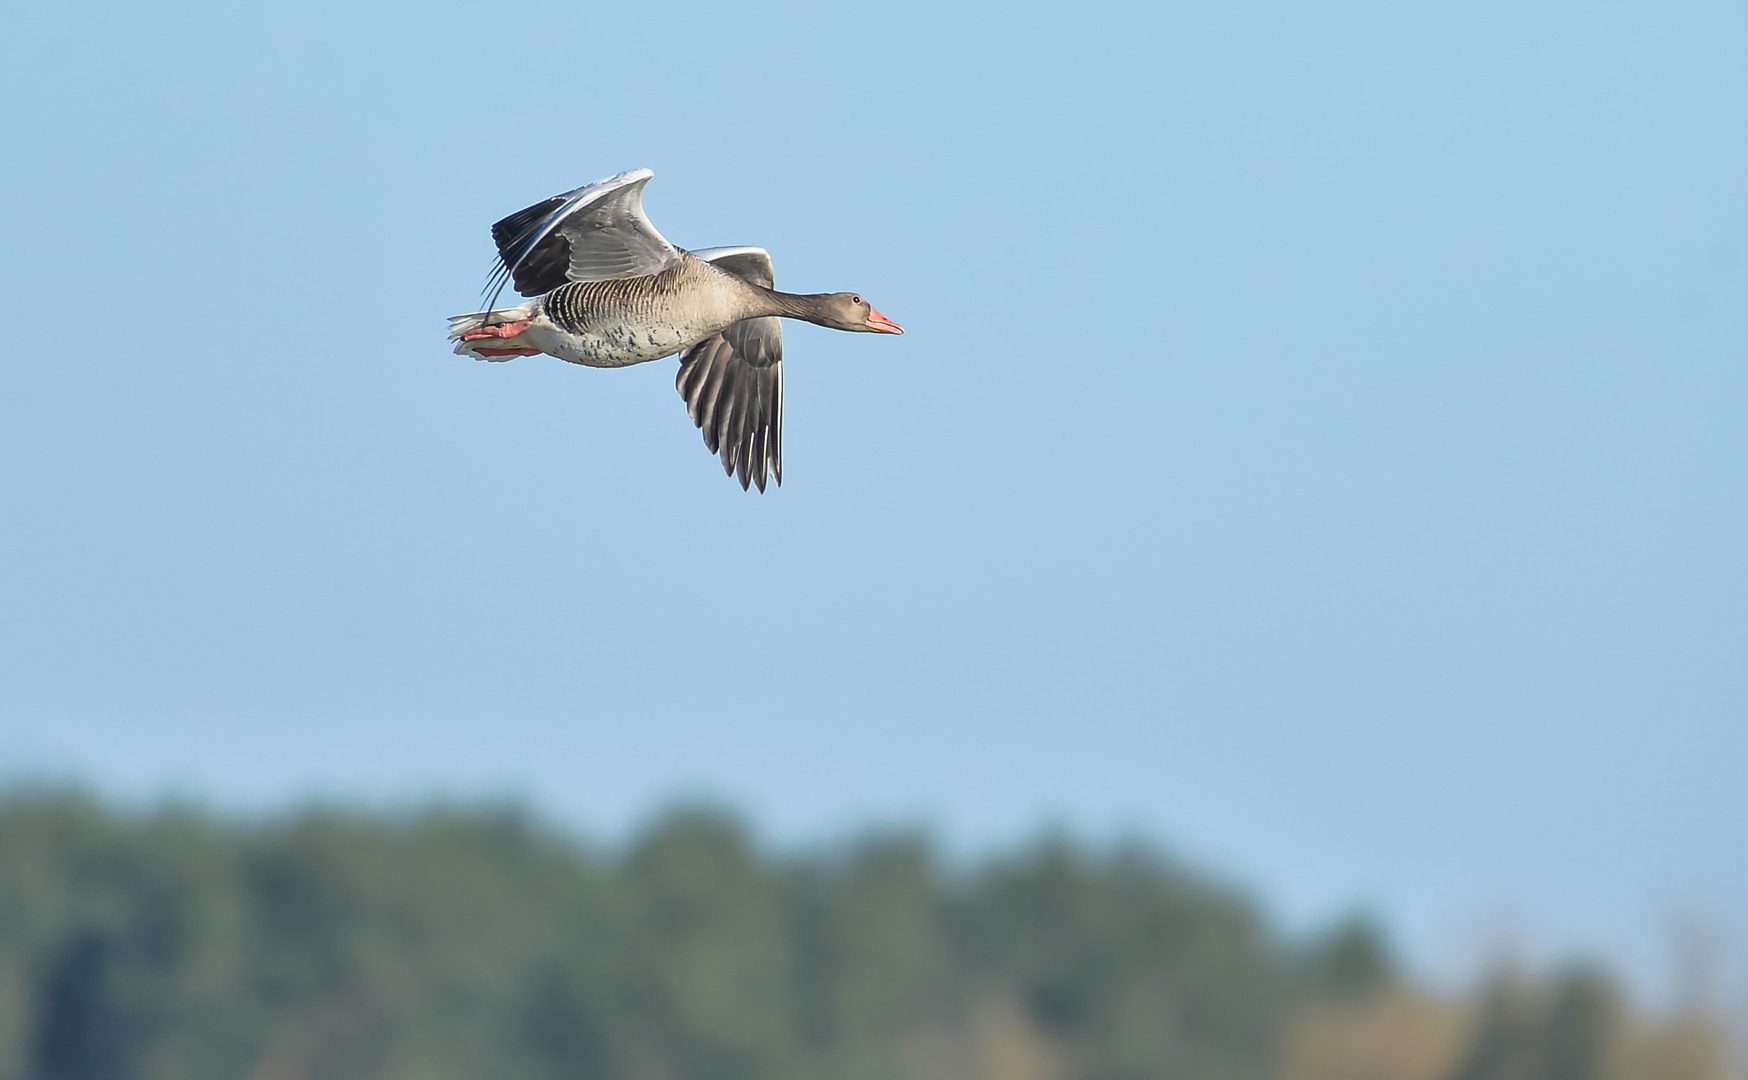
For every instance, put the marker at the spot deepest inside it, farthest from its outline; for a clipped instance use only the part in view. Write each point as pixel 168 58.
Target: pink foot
pixel 501 330
pixel 505 352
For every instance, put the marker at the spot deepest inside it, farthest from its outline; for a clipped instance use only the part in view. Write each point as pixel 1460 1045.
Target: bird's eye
pixel 855 299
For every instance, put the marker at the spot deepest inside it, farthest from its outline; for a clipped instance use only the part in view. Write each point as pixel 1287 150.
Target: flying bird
pixel 610 291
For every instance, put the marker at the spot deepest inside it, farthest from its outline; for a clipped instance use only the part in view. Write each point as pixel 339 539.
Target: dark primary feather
pixel 733 381
pixel 506 234
pixel 508 231
pixel 738 405
pixel 535 267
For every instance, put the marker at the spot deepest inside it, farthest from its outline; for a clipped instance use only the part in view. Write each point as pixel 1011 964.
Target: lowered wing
pixel 733 381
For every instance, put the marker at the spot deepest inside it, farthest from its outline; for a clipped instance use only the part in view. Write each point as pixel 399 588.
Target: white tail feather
pixel 473 320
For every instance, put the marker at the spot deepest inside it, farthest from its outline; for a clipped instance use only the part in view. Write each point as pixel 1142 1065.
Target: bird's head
pixel 848 311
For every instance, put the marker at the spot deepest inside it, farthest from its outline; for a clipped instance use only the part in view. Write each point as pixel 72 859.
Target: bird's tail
pixel 493 335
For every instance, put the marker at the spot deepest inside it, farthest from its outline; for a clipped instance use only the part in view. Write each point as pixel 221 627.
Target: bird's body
pixel 610 291
pixel 625 321
pixel 616 323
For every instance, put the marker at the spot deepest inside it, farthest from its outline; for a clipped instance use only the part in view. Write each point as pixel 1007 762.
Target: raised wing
pixel 752 263
pixel 733 381
pixel 594 233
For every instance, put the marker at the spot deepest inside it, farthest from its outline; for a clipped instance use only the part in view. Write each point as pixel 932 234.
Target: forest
pixel 470 942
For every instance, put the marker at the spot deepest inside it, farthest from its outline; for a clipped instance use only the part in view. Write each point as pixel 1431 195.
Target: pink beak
pixel 881 323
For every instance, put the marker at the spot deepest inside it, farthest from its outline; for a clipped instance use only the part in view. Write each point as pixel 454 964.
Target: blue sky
pixel 1317 445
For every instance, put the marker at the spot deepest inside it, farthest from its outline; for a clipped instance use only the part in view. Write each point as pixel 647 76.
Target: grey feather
pixel 596 233
pixel 732 382
pixel 752 263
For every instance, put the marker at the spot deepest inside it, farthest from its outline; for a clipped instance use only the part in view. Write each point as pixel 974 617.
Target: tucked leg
pixel 501 330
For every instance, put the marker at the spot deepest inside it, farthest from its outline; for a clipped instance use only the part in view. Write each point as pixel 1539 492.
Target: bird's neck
pixel 804 306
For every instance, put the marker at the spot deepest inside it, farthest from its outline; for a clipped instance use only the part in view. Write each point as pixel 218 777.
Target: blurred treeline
pixel 474 944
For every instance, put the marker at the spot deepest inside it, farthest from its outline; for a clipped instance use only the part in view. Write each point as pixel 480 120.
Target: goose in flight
pixel 609 291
